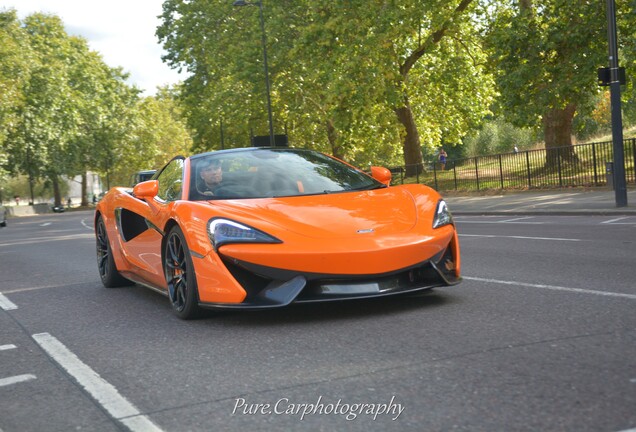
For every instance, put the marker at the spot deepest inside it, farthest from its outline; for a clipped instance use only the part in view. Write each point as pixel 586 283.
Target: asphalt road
pixel 540 336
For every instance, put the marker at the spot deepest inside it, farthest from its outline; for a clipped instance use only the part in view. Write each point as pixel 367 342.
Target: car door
pixel 140 225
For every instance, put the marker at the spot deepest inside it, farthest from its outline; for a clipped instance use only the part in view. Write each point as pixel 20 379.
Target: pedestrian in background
pixel 442 158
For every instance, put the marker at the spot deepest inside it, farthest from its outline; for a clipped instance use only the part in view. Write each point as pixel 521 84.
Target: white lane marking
pixel 7 347
pixel 6 304
pixel 140 424
pixel 516 219
pixel 90 226
pixel 102 391
pixel 45 224
pixel 498 222
pixel 49 239
pixel 614 220
pixel 16 379
pixel 553 287
pixel 18 290
pixel 521 237
pixel 472 217
pixel 628 430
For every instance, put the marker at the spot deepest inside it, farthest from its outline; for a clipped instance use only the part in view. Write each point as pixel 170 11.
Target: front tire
pixel 105 263
pixel 180 276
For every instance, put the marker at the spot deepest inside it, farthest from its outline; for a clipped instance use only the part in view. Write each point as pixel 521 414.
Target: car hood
pixel 338 215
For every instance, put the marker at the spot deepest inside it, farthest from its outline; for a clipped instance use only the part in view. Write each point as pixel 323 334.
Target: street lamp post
pixel 264 41
pixel 620 188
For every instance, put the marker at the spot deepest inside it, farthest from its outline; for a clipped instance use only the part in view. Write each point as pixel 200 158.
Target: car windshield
pixel 266 172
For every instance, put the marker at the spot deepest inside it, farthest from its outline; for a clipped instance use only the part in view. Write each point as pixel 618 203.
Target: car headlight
pixel 223 231
pixel 442 215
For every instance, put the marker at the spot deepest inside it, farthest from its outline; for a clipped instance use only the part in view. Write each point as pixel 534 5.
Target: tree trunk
pixel 411 144
pixel 525 5
pixel 84 187
pixel 56 190
pixel 557 129
pixel 332 136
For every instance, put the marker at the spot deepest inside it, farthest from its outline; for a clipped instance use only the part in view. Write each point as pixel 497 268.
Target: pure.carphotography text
pixel 320 406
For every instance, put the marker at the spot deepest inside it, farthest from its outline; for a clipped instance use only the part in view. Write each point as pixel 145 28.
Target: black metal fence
pixel 580 165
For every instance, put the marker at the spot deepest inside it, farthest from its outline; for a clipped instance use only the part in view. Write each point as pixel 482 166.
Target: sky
pixel 122 31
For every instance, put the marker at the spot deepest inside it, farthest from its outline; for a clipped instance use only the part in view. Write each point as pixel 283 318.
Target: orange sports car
pixel 266 227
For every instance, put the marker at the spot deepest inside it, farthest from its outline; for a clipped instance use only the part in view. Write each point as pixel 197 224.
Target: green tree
pixel 46 119
pixel 105 138
pixel 64 112
pixel 388 78
pixel 547 53
pixel 105 113
pixel 73 113
pixel 161 131
pixel 359 80
pixel 15 59
pixel 627 58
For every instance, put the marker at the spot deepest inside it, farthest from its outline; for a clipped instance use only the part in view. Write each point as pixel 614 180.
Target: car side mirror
pixel 381 174
pixel 146 190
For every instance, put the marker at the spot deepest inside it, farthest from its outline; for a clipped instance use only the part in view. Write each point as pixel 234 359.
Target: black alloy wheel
pixel 105 263
pixel 180 277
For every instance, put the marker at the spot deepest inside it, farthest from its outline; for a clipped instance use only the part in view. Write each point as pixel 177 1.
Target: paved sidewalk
pixel 560 202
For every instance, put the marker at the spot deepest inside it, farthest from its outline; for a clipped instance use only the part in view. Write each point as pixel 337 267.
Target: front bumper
pixel 268 287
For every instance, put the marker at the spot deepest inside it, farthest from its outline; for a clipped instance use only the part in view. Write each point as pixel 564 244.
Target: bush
pixel 498 136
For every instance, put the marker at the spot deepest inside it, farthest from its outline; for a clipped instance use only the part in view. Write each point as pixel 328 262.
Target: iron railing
pixel 569 166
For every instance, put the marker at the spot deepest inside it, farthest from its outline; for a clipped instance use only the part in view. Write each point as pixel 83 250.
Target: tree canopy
pixel 368 81
pixel 546 54
pixel 64 112
pixel 359 80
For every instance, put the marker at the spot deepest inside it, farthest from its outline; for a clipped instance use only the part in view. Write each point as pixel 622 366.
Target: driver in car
pixel 211 176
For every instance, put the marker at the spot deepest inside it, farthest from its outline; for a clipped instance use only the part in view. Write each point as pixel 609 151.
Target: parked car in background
pixel 141 176
pixel 3 216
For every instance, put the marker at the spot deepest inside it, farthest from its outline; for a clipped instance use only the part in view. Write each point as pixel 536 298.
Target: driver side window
pixel 171 181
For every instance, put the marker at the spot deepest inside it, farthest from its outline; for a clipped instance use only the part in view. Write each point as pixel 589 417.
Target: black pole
pixel 269 98
pixel 222 137
pixel 434 175
pixel 634 156
pixel 620 188
pixel 477 172
pixel 500 172
pixel 594 163
pixel 264 41
pixel 32 201
pixel 108 170
pixel 528 168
